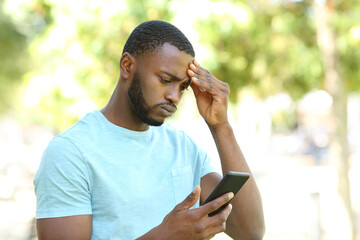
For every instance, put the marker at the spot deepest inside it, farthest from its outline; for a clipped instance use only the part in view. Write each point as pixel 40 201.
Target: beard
pixel 142 110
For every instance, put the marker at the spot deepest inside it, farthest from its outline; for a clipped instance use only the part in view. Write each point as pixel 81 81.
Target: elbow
pixel 257 234
pixel 251 235
pixel 253 232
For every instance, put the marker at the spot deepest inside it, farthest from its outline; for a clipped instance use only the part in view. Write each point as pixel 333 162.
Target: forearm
pixel 246 220
pixel 229 151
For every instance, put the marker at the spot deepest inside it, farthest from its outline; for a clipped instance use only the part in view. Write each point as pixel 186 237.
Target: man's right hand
pixel 185 223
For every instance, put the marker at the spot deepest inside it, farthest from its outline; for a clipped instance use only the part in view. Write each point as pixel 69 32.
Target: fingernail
pixel 191 72
pixel 194 79
pixel 195 189
pixel 231 195
pixel 230 205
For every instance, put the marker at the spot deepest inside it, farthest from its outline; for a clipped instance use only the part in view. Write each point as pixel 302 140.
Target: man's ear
pixel 127 66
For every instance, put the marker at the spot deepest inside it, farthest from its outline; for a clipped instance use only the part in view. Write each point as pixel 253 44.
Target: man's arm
pixel 73 228
pixel 246 220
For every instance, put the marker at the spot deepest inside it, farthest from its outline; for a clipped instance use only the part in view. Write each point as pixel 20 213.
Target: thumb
pixel 190 200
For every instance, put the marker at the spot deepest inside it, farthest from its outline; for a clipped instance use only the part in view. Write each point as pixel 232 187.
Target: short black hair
pixel 150 35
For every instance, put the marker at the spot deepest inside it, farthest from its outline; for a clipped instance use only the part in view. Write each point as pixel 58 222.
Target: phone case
pixel 231 182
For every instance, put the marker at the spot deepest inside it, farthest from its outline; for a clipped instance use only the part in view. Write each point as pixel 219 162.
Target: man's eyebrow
pixel 176 78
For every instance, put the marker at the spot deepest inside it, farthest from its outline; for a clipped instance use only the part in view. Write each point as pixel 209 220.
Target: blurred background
pixel 292 65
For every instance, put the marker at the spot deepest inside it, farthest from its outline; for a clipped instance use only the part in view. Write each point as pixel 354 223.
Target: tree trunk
pixel 339 148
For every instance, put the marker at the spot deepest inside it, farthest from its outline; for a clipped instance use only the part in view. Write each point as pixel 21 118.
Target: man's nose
pixel 173 94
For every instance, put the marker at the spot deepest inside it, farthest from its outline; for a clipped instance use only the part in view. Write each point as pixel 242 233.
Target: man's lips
pixel 170 108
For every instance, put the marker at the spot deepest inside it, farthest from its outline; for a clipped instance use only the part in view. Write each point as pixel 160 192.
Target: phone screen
pixel 231 182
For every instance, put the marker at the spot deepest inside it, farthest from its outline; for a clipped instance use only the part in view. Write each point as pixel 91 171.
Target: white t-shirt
pixel 128 180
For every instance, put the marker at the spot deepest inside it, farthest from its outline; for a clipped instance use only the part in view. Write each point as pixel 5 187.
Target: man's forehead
pixel 175 77
pixel 169 60
pixel 169 49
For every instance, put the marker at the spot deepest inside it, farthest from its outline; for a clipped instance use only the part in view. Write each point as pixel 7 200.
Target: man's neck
pixel 118 111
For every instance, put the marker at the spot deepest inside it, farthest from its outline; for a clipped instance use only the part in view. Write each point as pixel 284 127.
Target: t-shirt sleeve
pixel 62 182
pixel 203 163
pixel 207 166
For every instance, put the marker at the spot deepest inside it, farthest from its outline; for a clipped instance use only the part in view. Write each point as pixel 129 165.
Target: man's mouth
pixel 169 108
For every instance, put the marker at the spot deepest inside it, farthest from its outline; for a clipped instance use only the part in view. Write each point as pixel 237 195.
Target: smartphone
pixel 231 182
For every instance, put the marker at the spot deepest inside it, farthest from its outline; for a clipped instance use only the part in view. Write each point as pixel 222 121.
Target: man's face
pixel 158 84
pixel 137 99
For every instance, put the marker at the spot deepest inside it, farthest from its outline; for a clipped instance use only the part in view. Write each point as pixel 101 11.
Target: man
pixel 120 173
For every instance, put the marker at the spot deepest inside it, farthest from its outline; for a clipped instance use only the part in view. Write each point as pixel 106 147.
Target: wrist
pixel 218 128
pixel 221 132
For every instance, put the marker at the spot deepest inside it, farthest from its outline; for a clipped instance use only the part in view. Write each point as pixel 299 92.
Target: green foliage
pixel 64 56
pixel 17 31
pixel 79 53
pixel 346 21
pixel 275 50
pixel 13 65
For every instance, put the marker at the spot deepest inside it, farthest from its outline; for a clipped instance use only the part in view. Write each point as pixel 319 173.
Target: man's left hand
pixel 211 95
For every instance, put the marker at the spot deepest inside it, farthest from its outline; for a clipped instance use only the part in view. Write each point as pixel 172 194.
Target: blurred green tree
pixel 76 56
pixel 292 46
pixel 14 60
pixel 273 51
pixel 339 80
pixel 19 25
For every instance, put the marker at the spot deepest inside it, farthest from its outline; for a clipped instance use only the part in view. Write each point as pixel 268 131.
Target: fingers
pixel 206 81
pixel 190 200
pixel 219 220
pixel 201 72
pixel 217 223
pixel 195 223
pixel 217 203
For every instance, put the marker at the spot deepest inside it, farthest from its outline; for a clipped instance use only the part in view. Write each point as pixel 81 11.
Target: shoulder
pixel 81 135
pixel 61 153
pixel 60 144
pixel 61 158
pixel 85 125
pixel 65 147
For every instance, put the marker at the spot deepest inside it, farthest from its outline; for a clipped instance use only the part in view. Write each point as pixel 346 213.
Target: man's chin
pixel 153 122
pixel 157 124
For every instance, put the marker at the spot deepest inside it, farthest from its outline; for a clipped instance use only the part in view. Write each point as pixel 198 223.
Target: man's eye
pixel 163 80
pixel 184 87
